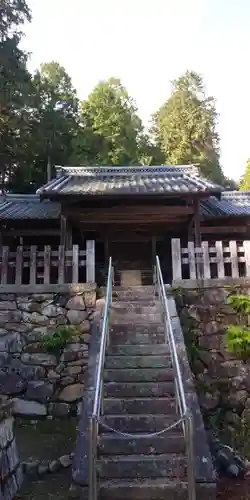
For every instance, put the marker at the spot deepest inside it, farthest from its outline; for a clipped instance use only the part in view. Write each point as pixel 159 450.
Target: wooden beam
pixel 223 229
pixel 126 211
pixel 32 232
pixel 135 220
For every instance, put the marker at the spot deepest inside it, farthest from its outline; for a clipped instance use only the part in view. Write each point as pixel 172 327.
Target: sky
pixel 148 43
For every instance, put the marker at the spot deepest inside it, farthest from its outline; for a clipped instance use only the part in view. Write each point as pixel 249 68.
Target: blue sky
pixel 147 43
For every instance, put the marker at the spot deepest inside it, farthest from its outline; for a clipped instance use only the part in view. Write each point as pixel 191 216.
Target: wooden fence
pixel 48 265
pixel 219 260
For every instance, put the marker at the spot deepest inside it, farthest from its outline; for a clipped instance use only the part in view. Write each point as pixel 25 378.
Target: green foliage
pixel 245 180
pixel 15 85
pixel 111 131
pixel 238 341
pixel 53 123
pixel 56 342
pixel 189 326
pixel 238 337
pixel 42 123
pixel 13 13
pixel 239 303
pixel 185 127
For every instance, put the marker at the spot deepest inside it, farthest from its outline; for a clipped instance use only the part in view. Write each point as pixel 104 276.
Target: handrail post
pixel 190 457
pixel 92 487
pixel 98 396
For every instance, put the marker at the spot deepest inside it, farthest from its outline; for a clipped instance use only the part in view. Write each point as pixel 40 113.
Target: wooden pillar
pixel 153 250
pixel 63 230
pixel 90 261
pixel 65 233
pixel 176 259
pixel 197 223
pixel 106 251
pixel 197 237
pixel 66 243
pixel 191 229
pixel 153 242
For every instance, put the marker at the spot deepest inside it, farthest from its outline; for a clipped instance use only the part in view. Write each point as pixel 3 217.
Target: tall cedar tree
pixel 185 127
pixel 53 126
pixel 15 88
pixel 111 131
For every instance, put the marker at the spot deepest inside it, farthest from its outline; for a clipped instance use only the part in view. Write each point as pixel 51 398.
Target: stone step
pixel 163 406
pixel 134 318
pixel 149 301
pixel 153 489
pixel 134 293
pixel 140 334
pixel 153 361
pixel 138 350
pixel 146 299
pixel 142 466
pixel 112 444
pixel 122 308
pixel 135 338
pixel 139 374
pixel 139 423
pixel 138 389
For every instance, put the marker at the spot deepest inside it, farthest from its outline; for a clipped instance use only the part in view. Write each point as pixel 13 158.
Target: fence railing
pixel 218 260
pixel 47 265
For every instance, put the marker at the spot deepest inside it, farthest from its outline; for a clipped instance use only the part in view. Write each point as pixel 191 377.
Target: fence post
pixel 90 261
pixel 176 259
pixel 246 245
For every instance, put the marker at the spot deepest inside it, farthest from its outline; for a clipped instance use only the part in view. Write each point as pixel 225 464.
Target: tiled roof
pixel 27 206
pixel 128 181
pixel 232 203
pixel 21 207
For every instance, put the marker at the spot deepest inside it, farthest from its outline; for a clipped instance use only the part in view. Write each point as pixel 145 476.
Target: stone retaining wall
pixel 43 383
pixel 222 381
pixel 10 468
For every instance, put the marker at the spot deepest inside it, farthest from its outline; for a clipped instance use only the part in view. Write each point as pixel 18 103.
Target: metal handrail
pixel 185 415
pixel 98 398
pixel 179 387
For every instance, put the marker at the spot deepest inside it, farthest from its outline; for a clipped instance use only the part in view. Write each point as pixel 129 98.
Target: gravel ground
pixel 46 441
pixel 233 490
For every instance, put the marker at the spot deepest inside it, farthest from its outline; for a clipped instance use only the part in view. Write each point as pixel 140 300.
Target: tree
pixel 111 131
pixel 53 123
pixel 13 13
pixel 15 87
pixel 57 112
pixel 245 180
pixel 230 184
pixel 185 127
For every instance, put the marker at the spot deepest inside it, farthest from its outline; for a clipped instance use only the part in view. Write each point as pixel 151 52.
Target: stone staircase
pixel 139 398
